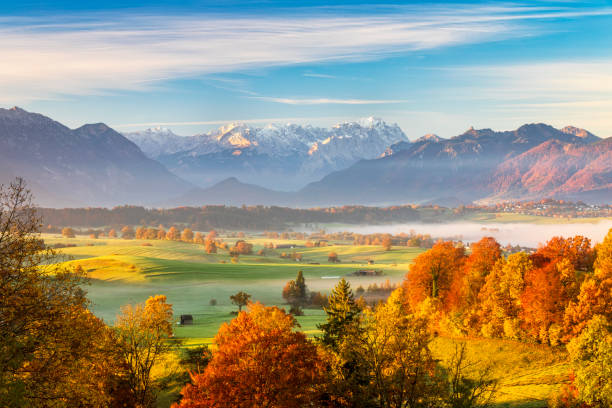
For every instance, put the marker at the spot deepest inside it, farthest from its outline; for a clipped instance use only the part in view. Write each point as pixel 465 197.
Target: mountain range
pixel 276 156
pixel 366 162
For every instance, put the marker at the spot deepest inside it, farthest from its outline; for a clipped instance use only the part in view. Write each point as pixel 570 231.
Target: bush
pixel 213 302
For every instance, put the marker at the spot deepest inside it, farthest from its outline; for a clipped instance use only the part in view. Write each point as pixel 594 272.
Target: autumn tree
pixel 332 257
pixel 497 313
pixel 591 354
pixel 68 232
pixel 141 233
pixel 342 314
pixel 212 235
pixel 187 235
pixel 53 352
pixel 241 248
pixel 211 246
pixel 127 232
pixel 112 233
pixel 144 331
pixel 173 234
pixel 576 249
pixel 595 295
pixel 260 362
pixel 432 273
pixel 387 242
pixel 240 299
pixel 198 238
pixel 483 257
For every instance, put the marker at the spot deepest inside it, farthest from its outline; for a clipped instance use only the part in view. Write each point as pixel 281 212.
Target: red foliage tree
pixel 260 362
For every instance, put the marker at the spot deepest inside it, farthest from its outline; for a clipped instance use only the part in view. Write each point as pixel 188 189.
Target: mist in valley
pixel 523 234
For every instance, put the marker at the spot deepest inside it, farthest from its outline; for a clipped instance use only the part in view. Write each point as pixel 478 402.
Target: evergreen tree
pixel 300 286
pixel 342 315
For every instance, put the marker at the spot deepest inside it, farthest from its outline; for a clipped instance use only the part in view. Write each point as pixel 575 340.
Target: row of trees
pixel 548 296
pixel 210 217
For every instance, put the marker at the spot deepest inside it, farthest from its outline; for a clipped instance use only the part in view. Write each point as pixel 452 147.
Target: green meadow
pixel 128 271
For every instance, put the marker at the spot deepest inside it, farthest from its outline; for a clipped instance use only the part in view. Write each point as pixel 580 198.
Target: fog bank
pixel 523 234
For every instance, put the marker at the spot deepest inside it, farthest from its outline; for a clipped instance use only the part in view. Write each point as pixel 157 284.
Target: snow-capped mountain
pixel 286 156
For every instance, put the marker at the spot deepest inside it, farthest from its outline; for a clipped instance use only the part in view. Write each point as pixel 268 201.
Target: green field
pixel 128 271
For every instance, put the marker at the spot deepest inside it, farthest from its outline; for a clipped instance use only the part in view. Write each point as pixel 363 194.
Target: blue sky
pixel 431 67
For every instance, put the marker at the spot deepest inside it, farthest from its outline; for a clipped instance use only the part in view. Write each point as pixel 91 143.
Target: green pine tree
pixel 342 314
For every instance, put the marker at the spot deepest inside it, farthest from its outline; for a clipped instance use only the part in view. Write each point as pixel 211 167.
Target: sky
pixel 429 66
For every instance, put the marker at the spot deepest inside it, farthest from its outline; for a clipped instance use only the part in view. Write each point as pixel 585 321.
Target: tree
pixel 260 362
pixel 480 263
pixel 432 273
pixel 187 235
pixel 332 257
pixel 240 299
pixel 576 249
pixel 595 296
pixel 53 352
pixel 497 313
pixel 212 235
pixel 141 233
pixel 112 233
pixel 591 353
pixel 198 238
pixel 68 232
pixel 387 242
pixel 211 246
pixel 295 291
pixel 143 332
pixel 127 232
pixel 241 248
pixel 387 362
pixel 342 315
pixel 173 234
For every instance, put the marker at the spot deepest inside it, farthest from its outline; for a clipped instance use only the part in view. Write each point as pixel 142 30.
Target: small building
pixel 186 319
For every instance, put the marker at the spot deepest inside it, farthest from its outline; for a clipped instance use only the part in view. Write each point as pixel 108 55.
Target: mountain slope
pixel 473 166
pixel 275 156
pixel 91 165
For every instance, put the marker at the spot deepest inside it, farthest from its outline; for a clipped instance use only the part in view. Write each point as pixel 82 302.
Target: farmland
pixel 128 271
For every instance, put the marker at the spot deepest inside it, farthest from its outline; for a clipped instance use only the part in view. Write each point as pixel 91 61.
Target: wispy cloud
pixel 43 58
pixel 328 101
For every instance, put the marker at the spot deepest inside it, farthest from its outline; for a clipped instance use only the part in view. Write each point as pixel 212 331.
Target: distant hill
pixel 276 156
pixel 91 165
pixel 232 192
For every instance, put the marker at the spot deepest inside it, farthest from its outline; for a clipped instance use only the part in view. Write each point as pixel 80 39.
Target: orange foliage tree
pixel 433 272
pixel 485 253
pixel 260 362
pixel 595 297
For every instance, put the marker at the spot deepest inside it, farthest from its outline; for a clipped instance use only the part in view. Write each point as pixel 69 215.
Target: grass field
pixel 128 271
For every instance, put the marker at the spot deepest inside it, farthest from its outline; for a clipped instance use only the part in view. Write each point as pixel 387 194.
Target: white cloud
pixel 70 56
